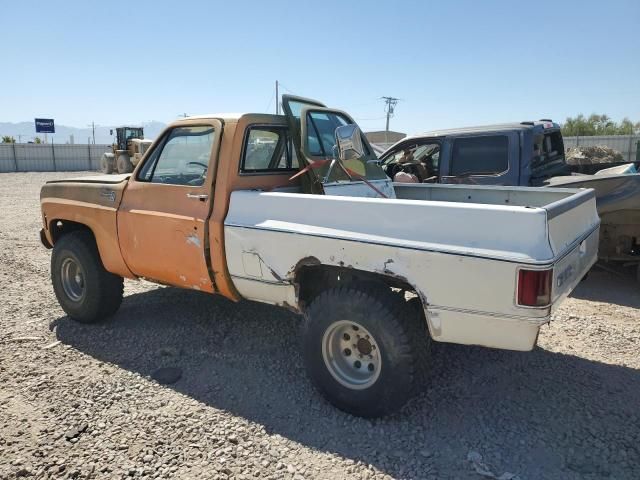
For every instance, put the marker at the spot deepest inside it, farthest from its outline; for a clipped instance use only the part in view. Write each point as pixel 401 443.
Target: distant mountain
pixel 26 131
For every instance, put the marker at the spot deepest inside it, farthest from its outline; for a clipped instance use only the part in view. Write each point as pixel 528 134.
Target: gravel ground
pixel 78 401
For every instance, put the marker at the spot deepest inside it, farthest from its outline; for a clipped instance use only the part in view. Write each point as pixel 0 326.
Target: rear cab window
pixel 268 149
pixel 481 155
pixel 548 155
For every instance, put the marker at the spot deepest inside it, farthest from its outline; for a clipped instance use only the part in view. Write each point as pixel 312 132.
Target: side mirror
pixel 111 132
pixel 349 142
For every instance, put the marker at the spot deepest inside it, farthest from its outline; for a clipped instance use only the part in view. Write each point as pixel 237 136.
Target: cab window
pixel 182 159
pixel 485 155
pixel 321 129
pixel 420 159
pixel 268 149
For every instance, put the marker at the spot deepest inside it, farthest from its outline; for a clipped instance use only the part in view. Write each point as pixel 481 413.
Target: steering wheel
pixel 203 165
pixel 408 167
pixel 393 169
pixel 198 181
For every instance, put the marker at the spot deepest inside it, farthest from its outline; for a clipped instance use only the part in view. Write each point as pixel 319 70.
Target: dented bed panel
pixel 454 288
pixel 445 280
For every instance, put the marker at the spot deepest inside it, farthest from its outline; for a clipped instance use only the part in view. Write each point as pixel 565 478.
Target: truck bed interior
pixel 478 194
pixel 487 195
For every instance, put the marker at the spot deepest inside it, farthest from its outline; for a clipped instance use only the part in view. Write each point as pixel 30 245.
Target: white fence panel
pixel 31 157
pixel 7 161
pixel 96 155
pixel 35 158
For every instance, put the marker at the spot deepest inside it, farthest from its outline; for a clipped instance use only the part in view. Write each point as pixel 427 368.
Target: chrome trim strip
pixel 262 280
pixel 500 316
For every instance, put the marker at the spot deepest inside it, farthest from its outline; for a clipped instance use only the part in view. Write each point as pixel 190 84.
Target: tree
pixel 627 127
pixel 598 125
pixel 37 140
pixel 8 139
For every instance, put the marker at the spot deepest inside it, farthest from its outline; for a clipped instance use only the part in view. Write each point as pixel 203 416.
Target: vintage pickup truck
pixel 295 211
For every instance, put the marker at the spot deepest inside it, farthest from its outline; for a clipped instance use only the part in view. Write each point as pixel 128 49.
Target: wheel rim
pixel 72 279
pixel 351 354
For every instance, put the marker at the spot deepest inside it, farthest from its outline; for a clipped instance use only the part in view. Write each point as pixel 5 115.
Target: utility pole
pixel 390 105
pixel 277 100
pixel 93 131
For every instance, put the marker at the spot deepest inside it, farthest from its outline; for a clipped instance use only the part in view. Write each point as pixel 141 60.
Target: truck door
pixel 482 159
pixel 292 107
pixel 313 127
pixel 162 221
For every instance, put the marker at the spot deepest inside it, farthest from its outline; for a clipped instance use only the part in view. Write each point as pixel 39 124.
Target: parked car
pixel 377 269
pixel 527 154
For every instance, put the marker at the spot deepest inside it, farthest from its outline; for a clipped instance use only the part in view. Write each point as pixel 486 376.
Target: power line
pixel 367 119
pixel 284 87
pixel 269 104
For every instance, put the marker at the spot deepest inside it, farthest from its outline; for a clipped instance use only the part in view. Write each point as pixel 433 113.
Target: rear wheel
pixel 124 163
pixel 359 350
pixel 107 163
pixel 84 289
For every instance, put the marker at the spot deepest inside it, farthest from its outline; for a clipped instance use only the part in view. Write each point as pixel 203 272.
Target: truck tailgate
pixel 573 236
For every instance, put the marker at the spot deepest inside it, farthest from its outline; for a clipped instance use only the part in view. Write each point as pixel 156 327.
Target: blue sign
pixel 45 125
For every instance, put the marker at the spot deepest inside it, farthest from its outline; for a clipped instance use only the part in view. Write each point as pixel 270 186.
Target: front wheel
pixel 84 289
pixel 107 163
pixel 124 163
pixel 359 350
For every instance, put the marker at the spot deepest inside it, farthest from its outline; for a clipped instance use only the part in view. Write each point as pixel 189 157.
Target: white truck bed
pixel 459 247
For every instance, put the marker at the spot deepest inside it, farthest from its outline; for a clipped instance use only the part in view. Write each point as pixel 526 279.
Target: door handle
pixel 202 197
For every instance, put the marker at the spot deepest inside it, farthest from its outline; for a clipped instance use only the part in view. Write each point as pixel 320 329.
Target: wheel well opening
pixel 314 279
pixel 59 227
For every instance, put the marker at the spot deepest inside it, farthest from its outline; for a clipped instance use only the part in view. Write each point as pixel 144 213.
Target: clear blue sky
pixel 452 63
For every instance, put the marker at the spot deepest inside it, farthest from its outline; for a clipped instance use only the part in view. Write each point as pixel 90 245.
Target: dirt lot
pixel 77 401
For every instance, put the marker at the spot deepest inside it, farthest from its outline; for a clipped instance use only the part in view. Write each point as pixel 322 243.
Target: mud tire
pixel 107 163
pixel 124 163
pixel 389 321
pixel 101 292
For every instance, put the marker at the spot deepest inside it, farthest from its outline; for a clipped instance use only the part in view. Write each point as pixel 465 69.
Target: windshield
pixel 320 142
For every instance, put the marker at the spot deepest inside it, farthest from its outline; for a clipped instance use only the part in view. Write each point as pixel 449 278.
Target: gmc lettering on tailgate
pixel 565 275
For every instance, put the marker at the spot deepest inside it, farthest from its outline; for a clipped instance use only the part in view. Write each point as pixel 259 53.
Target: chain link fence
pixel 32 157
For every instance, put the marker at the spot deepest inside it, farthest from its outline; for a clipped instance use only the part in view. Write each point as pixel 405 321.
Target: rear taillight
pixel 534 288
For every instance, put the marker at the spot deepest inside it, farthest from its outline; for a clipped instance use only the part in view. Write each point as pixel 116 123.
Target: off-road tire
pixel 107 163
pixel 124 163
pixel 389 321
pixel 102 291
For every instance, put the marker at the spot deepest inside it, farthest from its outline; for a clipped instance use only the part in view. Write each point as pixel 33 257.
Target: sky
pixel 451 64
